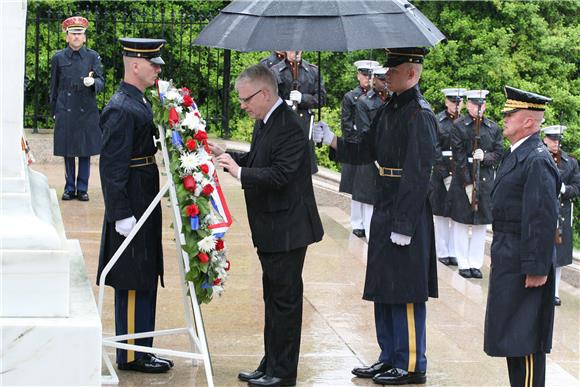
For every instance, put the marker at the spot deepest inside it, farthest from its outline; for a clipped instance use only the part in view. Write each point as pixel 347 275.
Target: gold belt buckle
pixel 389 172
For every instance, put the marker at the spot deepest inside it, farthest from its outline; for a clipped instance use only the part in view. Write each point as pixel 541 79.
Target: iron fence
pixel 205 71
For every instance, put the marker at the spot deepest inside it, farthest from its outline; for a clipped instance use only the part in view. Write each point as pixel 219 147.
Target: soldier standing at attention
pixel 441 177
pixel 401 271
pixel 130 182
pixel 349 133
pixel 520 304
pixel 76 76
pixel 569 190
pixel 470 149
pixel 364 182
pixel 298 86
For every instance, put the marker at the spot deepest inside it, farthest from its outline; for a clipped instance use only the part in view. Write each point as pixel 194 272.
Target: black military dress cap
pixel 398 56
pixel 149 49
pixel 517 99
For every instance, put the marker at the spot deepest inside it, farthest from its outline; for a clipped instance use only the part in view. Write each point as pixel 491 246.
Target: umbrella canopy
pixel 319 25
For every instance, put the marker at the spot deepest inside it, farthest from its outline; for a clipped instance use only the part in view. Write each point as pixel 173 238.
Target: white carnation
pixel 207 244
pixel 173 95
pixel 189 161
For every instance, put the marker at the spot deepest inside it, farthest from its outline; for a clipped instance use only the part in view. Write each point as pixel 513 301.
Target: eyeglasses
pixel 247 99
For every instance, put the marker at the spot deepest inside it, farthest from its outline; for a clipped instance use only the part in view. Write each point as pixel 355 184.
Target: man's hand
pixel 215 149
pixel 88 81
pixel 322 133
pixel 124 226
pixel 400 239
pixel 478 154
pixel 447 182
pixel 469 192
pixel 295 96
pixel 563 188
pixel 225 160
pixel 534 281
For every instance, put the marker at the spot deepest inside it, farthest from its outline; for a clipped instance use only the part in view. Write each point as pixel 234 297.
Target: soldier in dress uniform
pixel 348 128
pixel 402 268
pixel 298 85
pixel 274 58
pixel 470 249
pixel 569 190
pixel 76 76
pixel 364 185
pixel 520 304
pixel 442 175
pixel 130 181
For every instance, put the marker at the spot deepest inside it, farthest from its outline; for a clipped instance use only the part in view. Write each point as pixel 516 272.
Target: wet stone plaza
pixel 338 326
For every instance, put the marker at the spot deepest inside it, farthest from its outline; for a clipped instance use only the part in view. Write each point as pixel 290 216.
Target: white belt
pixel 447 153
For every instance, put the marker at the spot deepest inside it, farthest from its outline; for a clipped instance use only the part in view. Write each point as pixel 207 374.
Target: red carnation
pixel 185 91
pixel 192 210
pixel 219 244
pixel 191 145
pixel 228 266
pixel 173 117
pixel 200 135
pixel 217 281
pixel 204 168
pixel 187 100
pixel 207 190
pixel 203 257
pixel 189 183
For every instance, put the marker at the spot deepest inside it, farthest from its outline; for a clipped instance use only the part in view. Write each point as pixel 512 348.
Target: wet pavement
pixel 338 329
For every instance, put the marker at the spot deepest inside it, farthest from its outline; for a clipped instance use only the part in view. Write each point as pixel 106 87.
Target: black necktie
pixel 259 129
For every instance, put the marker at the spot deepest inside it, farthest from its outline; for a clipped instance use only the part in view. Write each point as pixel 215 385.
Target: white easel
pixel 194 328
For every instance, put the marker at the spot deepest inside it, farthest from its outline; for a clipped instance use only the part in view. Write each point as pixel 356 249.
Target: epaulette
pixel 424 104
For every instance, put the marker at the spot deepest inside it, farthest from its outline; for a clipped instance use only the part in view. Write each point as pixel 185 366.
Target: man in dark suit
pixel 284 220
pixel 520 303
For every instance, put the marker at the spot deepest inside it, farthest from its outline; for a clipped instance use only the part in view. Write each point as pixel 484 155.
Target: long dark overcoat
pixel 570 176
pixel 74 106
pixel 444 166
pixel 403 136
pixel 462 136
pixel 348 129
pixel 519 320
pixel 128 129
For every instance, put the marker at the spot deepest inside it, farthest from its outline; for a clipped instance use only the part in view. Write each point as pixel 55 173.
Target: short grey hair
pixel 259 74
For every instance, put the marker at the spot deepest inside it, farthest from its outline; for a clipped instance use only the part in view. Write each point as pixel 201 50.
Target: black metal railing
pixel 205 71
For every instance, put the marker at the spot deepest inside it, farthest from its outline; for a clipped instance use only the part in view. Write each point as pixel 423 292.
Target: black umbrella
pixel 319 25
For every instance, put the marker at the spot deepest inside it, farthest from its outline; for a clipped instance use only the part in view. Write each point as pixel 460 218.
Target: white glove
pixel 447 182
pixel 469 192
pixel 88 81
pixel 563 188
pixel 400 239
pixel 322 133
pixel 478 154
pixel 124 226
pixel 295 96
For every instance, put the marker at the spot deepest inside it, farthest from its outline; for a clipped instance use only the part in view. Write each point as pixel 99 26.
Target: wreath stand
pixel 194 329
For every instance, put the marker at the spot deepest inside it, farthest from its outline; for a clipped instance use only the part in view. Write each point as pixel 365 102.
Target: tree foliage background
pixel 533 45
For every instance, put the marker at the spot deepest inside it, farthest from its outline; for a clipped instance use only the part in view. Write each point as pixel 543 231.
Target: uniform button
pixel 301 114
pixel 68 94
pixel 68 110
pixel 82 110
pixel 562 205
pixel 483 179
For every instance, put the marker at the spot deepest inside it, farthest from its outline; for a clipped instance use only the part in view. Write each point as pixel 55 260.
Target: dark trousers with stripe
pixel 527 371
pixel 77 182
pixel 283 290
pixel 134 313
pixel 402 335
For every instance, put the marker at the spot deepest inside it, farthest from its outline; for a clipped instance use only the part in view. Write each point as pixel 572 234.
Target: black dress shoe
pixel 465 273
pixel 168 361
pixel 247 376
pixel 372 370
pixel 557 301
pixel 68 195
pixel 396 376
pixel 476 273
pixel 147 363
pixel 359 232
pixel 271 381
pixel 83 196
pixel 444 260
pixel 452 261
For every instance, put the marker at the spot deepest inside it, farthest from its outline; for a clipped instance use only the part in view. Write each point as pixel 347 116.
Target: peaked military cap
pixel 75 24
pixel 454 94
pixel 366 66
pixel 405 55
pixel 477 96
pixel 554 132
pixel 149 49
pixel 379 72
pixel 517 99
